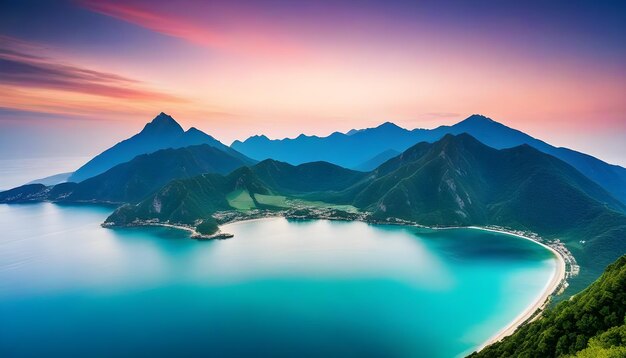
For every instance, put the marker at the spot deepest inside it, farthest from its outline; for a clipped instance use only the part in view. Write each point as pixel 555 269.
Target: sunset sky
pixel 78 76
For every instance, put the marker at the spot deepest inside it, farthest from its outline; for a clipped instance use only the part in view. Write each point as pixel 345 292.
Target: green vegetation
pixel 183 201
pixel 208 226
pixel 186 201
pixel 321 204
pixel 591 324
pixel 240 200
pixel 277 201
pixel 306 178
pixel 610 344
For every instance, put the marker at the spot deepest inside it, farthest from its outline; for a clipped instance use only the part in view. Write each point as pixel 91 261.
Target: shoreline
pixel 194 234
pixel 540 302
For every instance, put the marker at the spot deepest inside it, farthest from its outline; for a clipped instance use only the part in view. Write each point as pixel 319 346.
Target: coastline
pixel 540 302
pixel 194 234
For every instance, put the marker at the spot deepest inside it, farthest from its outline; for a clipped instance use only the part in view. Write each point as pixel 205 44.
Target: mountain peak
pixel 388 125
pixel 194 132
pixel 261 137
pixel 163 123
pixel 452 142
pixel 478 118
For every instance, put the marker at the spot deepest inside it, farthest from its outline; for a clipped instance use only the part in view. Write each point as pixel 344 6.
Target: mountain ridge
pixel 360 146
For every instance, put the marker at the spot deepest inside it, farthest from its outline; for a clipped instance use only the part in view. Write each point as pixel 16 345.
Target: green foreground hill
pixel 193 200
pixel 591 324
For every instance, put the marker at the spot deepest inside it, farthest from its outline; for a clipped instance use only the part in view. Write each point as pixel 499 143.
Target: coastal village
pixel 571 267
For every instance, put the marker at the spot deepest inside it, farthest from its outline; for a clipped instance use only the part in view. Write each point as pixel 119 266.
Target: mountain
pixel 457 180
pixel 357 147
pixel 194 200
pixel 496 135
pixel 591 324
pixel 161 133
pixel 191 201
pixel 134 180
pixel 305 178
pixel 342 149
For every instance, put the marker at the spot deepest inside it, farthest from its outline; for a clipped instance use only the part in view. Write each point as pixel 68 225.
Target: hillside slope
pixel 190 201
pixel 305 178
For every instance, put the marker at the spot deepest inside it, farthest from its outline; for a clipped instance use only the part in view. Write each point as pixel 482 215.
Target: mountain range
pixel 367 148
pixel 363 149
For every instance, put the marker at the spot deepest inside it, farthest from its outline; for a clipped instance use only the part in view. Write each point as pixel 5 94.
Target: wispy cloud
pixel 23 69
pixel 252 40
pixel 32 81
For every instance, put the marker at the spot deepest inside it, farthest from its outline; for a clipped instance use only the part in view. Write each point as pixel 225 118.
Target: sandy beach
pixel 539 302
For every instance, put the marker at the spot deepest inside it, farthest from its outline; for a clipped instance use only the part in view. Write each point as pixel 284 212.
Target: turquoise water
pixel 279 288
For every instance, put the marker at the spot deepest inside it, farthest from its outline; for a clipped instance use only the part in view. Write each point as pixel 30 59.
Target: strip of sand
pixel 539 302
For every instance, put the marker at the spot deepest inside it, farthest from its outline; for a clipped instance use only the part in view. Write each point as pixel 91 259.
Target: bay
pixel 280 288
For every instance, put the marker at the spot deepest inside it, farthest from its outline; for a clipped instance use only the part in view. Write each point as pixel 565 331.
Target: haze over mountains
pixel 366 149
pixel 132 181
pixel 363 149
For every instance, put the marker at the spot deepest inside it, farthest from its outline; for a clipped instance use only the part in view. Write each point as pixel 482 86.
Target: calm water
pixel 16 172
pixel 279 288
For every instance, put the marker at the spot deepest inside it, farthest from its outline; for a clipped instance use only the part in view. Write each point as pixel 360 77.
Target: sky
pixel 78 76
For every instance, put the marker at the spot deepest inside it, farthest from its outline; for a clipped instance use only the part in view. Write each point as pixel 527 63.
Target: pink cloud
pixel 25 70
pixel 256 41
